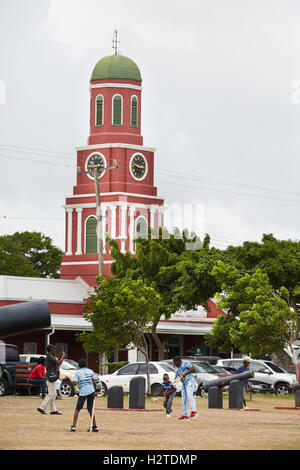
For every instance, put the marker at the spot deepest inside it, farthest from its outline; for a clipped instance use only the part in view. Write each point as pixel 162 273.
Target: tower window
pixel 141 228
pixel 91 235
pixel 134 112
pixel 117 110
pixel 99 110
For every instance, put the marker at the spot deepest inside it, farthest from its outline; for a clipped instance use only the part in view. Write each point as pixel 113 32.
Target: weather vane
pixel 115 41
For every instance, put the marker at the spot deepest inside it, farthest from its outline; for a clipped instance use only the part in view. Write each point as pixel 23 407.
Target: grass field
pixel 22 427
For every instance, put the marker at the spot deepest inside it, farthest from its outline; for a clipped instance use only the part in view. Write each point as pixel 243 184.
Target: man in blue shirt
pixel 169 393
pixel 244 368
pixel 184 370
pixel 85 378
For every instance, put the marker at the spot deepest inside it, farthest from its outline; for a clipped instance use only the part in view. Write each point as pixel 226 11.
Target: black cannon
pixel 215 390
pixel 23 317
pixel 223 381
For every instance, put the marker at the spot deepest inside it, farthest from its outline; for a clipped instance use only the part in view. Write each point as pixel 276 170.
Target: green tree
pixel 279 259
pixel 120 311
pixel 30 254
pixel 258 321
pixel 155 263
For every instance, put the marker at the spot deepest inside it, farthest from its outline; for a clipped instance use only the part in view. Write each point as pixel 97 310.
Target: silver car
pixel 268 376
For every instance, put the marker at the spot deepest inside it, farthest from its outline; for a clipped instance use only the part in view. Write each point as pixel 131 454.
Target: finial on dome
pixel 115 41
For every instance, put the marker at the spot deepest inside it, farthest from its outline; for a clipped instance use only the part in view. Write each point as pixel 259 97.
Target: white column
pixel 123 235
pixel 69 247
pixel 131 229
pixel 113 210
pixel 79 231
pixel 161 216
pixel 152 216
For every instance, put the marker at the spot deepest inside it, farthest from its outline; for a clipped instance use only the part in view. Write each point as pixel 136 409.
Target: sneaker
pixel 55 413
pixel 184 417
pixel 94 429
pixel 193 414
pixel 168 416
pixel 41 411
pixel 72 428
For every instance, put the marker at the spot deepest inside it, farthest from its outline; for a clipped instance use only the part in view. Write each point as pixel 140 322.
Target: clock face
pixel 138 166
pixel 95 163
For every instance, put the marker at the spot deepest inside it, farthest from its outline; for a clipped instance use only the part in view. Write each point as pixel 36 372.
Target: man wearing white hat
pixel 245 368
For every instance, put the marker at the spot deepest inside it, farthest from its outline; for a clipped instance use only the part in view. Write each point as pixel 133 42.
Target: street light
pixel 96 173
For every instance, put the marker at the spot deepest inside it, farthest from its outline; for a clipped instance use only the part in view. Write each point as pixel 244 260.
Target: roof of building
pixel 116 66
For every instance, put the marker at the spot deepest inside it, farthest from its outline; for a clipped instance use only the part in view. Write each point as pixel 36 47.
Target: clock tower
pixel 129 201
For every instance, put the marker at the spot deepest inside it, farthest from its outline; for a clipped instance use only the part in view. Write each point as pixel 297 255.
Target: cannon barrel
pixel 23 317
pixel 223 381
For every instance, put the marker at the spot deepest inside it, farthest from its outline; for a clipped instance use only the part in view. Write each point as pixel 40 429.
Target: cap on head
pixel 246 359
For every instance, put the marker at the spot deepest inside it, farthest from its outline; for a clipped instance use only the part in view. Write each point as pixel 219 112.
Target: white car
pixel 124 375
pixel 67 371
pixel 267 375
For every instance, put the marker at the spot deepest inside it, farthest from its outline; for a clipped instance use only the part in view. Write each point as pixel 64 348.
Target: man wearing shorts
pixel 85 378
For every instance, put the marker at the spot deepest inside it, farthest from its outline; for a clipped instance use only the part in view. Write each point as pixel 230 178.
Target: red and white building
pixel 129 204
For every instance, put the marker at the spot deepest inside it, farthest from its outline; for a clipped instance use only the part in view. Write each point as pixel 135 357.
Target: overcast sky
pixel 220 105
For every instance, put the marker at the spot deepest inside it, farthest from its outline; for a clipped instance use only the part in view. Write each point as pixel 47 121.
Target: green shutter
pixel 134 110
pixel 117 111
pixel 99 110
pixel 91 236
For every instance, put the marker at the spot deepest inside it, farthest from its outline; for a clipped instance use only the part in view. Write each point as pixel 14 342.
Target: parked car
pixel 124 375
pixel 9 356
pixel 269 377
pixel 210 359
pixel 67 371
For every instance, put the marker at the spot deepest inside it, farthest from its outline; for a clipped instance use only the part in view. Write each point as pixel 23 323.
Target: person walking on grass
pixel 85 378
pixel 169 391
pixel 52 365
pixel 244 368
pixel 184 370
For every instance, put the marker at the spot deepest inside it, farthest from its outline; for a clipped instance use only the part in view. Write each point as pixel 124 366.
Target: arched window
pixel 99 110
pixel 91 235
pixel 134 112
pixel 117 111
pixel 141 228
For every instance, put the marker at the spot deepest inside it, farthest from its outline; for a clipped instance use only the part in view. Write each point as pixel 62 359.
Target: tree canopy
pixel 258 321
pixel 29 254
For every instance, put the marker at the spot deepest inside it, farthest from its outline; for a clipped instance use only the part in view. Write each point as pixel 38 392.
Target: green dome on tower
pixel 116 66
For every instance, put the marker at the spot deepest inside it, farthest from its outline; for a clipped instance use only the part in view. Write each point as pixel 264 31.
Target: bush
pixel 113 366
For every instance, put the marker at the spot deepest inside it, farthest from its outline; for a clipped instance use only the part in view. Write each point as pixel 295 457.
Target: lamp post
pixel 97 170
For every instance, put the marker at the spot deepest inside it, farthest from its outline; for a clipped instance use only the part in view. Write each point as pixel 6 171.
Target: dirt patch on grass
pixel 22 427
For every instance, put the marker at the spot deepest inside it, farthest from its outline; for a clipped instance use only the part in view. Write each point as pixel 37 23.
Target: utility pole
pixel 97 170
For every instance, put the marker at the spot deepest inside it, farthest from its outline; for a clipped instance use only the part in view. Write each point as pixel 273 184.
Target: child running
pixel 169 393
pixel 85 378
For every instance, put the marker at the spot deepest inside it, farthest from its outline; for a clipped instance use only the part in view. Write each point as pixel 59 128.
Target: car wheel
pixel 282 389
pixel 4 387
pixel 66 389
pixel 156 390
pixel 103 390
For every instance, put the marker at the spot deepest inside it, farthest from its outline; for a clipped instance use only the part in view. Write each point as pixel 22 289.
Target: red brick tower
pixel 129 198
